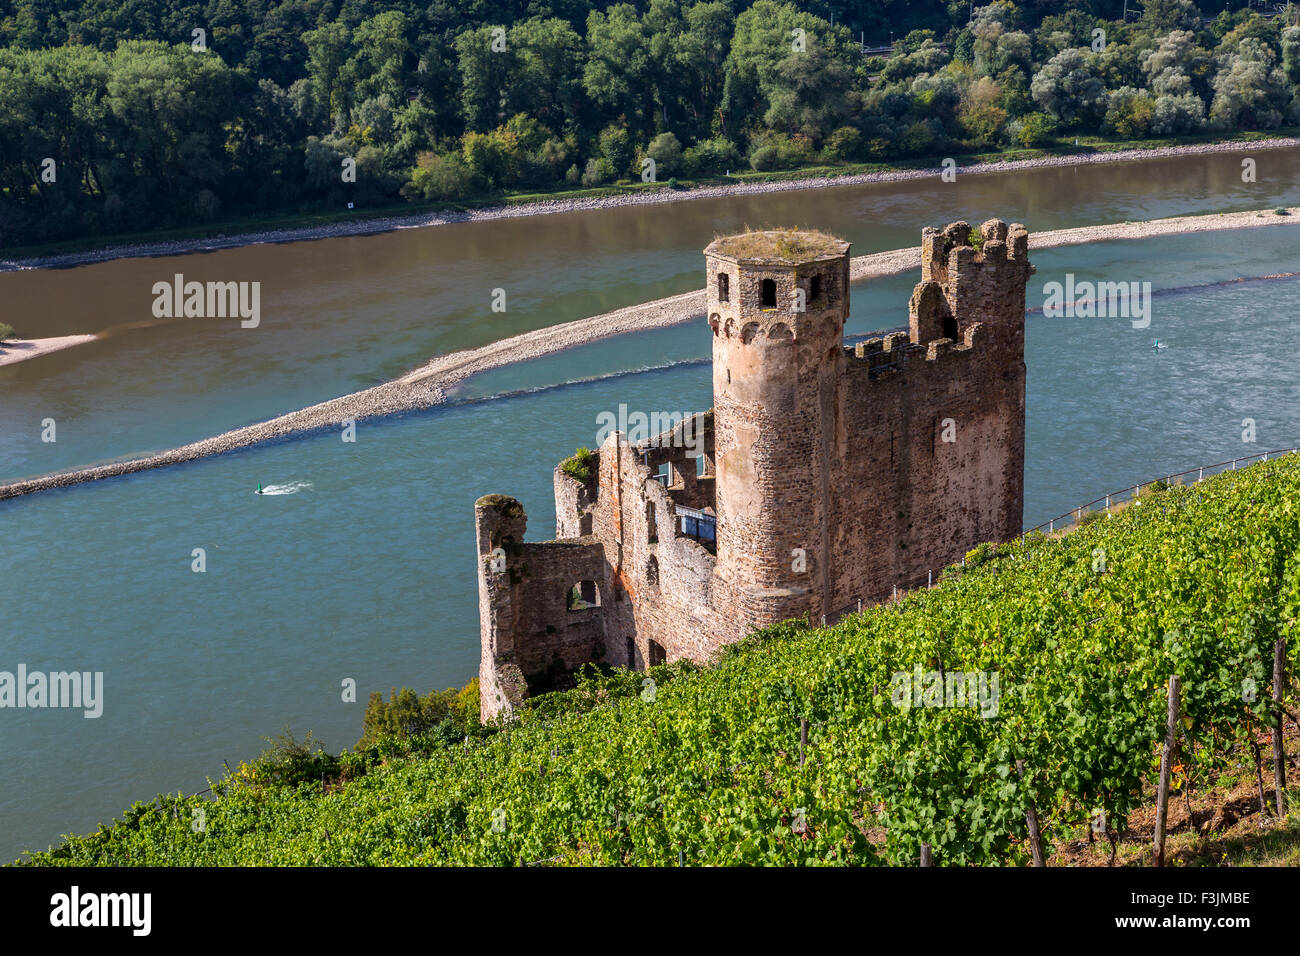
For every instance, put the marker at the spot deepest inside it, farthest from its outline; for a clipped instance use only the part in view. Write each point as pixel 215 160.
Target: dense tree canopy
pixel 127 115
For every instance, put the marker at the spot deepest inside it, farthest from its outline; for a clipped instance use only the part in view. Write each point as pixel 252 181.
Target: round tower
pixel 778 300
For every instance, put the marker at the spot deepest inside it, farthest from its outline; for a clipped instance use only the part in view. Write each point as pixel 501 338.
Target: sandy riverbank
pixel 654 197
pixel 426 386
pixel 20 350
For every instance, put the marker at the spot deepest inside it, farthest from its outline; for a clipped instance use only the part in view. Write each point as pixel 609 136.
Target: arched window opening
pixel 583 595
pixel 769 293
pixel 724 287
pixel 815 288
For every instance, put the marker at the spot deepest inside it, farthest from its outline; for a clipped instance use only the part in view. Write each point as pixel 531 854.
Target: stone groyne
pixel 426 386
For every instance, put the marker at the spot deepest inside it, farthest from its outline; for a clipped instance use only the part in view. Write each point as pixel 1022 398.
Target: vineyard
pixel 838 745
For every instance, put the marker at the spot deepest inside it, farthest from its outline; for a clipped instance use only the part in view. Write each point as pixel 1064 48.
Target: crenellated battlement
pixel 963 287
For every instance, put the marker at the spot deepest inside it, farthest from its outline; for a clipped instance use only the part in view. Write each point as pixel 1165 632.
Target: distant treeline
pixel 132 115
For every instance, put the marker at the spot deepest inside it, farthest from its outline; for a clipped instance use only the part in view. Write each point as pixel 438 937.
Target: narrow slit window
pixel 724 287
pixel 769 293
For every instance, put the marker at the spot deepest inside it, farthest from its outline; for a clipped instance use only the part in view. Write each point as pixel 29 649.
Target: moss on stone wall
pixel 503 505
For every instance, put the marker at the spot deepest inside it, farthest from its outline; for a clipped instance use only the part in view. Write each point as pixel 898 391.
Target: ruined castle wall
pixel 932 500
pixel 827 468
pixel 573 506
pixel 661 579
pixel 526 626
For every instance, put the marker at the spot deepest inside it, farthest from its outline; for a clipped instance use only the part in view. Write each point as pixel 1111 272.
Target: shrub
pixel 710 156
pixel 1130 113
pixel 1036 129
pixel 779 151
pixel 579 466
pixel 923 137
pixel 1090 517
pixel 616 147
pixel 1279 211
pixel 439 178
pixel 574 176
pixel 289 762
pixel 495 159
pixel 842 145
pixel 6 331
pixel 442 716
pixel 666 151
pixel 597 172
pixel 1174 115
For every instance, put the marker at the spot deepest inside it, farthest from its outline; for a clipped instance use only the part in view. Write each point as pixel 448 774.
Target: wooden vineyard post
pixel 1259 774
pixel 803 738
pixel 1166 764
pixel 1279 754
pixel 1031 819
pixel 927 856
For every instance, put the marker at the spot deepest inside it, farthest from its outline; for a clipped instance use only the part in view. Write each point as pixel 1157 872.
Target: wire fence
pixel 1134 493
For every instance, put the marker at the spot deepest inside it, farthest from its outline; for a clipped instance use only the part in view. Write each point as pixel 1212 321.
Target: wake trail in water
pixel 290 488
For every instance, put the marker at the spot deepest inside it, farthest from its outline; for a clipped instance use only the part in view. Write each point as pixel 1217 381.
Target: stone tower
pixel 777 303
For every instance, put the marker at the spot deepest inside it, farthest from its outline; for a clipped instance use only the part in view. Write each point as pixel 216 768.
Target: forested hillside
pixel 130 115
pixel 821 746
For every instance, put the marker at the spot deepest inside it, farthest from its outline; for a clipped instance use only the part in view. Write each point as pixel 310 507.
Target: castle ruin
pixel 823 476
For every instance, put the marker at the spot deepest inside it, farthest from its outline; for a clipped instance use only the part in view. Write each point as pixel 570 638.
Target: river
pixel 367 570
